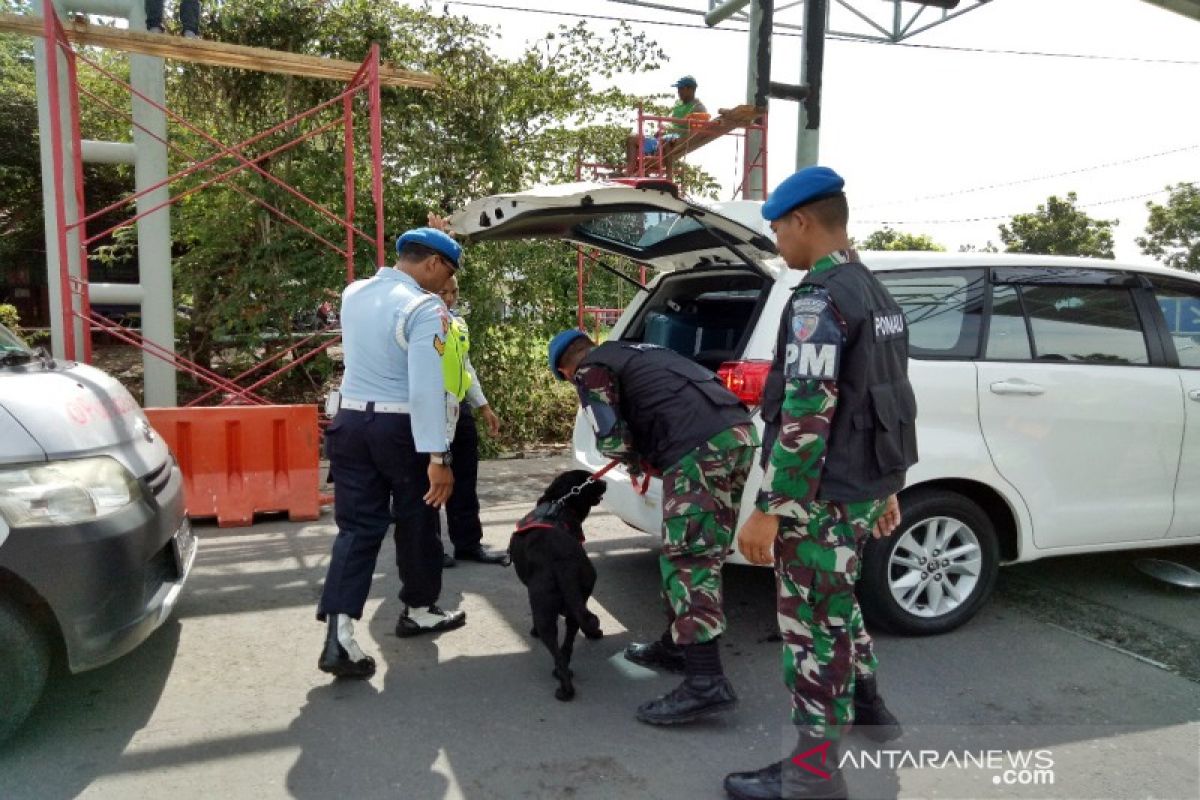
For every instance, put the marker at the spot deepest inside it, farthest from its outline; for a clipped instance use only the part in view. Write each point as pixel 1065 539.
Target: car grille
pixel 158 478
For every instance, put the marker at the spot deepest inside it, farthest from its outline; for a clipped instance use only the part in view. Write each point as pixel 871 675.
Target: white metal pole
pixel 153 230
pixel 752 186
pixel 808 139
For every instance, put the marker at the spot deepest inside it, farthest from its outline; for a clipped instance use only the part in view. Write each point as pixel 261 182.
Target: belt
pixel 371 405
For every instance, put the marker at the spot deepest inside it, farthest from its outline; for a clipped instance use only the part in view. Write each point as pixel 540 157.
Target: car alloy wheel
pixel 935 566
pixel 935 571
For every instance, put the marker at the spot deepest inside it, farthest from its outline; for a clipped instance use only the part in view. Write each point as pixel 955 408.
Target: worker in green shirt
pixel 688 104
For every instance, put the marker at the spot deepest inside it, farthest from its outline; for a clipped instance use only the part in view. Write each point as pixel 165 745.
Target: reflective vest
pixel 454 360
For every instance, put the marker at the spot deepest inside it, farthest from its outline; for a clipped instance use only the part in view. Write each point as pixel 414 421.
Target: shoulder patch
pixel 810 303
pixel 815 338
pixel 888 325
pixel 810 361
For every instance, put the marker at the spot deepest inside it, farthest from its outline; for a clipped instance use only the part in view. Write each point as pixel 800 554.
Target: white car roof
pixel 889 260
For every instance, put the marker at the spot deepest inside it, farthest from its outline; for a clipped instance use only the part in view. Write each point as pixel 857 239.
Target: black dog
pixel 547 551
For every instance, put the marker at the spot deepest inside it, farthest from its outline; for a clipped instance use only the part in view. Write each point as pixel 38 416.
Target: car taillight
pixel 745 379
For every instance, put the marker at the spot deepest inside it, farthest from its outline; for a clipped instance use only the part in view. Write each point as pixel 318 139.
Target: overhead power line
pixel 1036 178
pixel 995 217
pixel 833 37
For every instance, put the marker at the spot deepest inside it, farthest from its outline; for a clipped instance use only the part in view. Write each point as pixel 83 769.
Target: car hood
pixel 646 221
pixel 72 411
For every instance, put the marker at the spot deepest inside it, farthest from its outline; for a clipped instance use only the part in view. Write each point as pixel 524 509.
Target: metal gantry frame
pixel 904 19
pixel 67 217
pixel 890 21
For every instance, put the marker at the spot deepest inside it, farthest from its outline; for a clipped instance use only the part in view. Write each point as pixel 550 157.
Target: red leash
pixel 605 469
pixel 646 475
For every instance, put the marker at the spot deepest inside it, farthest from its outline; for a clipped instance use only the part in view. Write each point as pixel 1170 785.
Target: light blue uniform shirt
pixel 393 351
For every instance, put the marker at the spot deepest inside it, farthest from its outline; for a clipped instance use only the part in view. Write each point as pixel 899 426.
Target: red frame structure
pixel 364 82
pixel 650 166
pixel 658 165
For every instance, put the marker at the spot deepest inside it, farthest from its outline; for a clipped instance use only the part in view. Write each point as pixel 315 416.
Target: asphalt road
pixel 1081 662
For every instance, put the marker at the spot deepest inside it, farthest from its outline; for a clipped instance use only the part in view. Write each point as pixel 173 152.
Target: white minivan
pixel 1058 398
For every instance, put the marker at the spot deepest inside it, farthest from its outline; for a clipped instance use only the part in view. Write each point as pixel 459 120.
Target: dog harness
pixel 538 518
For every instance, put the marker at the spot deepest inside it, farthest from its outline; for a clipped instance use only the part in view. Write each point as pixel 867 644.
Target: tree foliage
pixel 888 238
pixel 1059 228
pixel 242 275
pixel 497 125
pixel 1173 230
pixel 22 236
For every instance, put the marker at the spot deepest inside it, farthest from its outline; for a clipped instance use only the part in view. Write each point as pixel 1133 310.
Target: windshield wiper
pixel 12 358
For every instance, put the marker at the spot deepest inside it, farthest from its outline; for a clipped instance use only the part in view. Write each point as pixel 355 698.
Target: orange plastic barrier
pixel 240 460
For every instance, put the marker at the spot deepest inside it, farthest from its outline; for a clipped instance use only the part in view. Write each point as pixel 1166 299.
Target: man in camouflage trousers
pixel 658 410
pixel 840 434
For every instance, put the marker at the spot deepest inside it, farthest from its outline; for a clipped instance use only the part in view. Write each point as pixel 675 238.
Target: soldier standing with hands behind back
pixel 840 434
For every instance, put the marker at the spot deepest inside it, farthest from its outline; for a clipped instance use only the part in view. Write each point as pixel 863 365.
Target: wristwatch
pixel 441 459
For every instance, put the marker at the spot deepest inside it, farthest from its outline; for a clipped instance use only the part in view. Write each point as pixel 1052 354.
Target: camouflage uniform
pixel 701 495
pixel 820 542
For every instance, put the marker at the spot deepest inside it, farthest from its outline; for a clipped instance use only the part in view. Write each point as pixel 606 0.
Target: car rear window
pixel 1078 324
pixel 943 308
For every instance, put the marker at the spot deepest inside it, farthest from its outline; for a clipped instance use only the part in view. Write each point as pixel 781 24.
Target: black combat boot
pixel 341 656
pixel 660 654
pixel 871 717
pixel 704 691
pixel 810 773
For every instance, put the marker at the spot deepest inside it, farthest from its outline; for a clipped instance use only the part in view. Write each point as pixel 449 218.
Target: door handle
pixel 1195 395
pixel 1017 387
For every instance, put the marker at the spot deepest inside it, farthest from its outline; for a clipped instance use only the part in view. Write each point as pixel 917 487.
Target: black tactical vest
pixel 671 404
pixel 873 439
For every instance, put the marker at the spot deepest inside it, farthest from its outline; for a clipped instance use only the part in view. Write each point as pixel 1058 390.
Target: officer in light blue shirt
pixel 389 446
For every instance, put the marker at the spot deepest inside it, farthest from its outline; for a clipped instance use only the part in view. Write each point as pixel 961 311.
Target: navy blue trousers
pixel 379 478
pixel 462 509
pixel 189 14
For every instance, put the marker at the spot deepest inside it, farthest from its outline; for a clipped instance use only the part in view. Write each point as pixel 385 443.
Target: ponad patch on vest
pixel 888 326
pixel 810 361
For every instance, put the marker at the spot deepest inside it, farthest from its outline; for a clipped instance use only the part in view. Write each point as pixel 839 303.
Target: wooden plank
pixel 216 54
pixel 730 120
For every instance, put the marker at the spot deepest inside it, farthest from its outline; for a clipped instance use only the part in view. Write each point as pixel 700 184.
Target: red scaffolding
pixel 742 122
pixel 365 83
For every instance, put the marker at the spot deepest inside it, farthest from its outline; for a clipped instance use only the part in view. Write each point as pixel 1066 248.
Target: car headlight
pixel 65 492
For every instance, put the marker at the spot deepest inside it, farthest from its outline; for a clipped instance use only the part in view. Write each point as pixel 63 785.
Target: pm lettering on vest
pixel 888 326
pixel 812 361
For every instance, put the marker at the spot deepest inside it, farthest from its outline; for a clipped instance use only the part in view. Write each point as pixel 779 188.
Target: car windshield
pixel 10 342
pixel 638 229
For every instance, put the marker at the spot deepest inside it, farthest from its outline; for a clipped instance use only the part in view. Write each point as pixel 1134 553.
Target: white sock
pixel 345 635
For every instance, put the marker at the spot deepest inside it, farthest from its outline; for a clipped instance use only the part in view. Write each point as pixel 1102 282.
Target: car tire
pixel 24 665
pixel 897 589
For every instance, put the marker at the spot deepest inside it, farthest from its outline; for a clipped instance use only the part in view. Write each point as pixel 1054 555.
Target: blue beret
pixel 686 80
pixel 805 186
pixel 559 345
pixel 433 239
